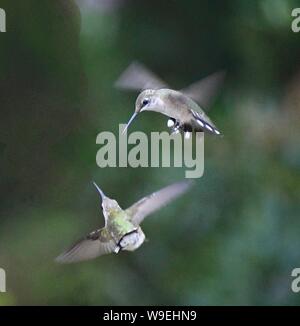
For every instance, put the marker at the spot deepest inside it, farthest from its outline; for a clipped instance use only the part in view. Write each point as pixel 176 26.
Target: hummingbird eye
pixel 145 102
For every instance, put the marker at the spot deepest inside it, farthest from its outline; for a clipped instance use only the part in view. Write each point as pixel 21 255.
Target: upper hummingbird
pixel 182 107
pixel 122 229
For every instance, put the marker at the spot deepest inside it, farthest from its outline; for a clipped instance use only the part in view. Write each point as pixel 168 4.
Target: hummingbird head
pixel 108 204
pixel 146 101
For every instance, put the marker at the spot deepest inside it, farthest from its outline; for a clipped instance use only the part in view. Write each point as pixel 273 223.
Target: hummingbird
pixel 183 108
pixel 122 229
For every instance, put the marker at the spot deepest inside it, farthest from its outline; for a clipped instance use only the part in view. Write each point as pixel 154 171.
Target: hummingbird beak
pixel 129 122
pixel 100 191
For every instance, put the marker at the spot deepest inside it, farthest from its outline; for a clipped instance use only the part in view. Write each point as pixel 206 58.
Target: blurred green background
pixel 235 238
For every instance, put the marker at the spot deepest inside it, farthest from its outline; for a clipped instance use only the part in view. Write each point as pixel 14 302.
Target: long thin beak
pixel 129 122
pixel 99 190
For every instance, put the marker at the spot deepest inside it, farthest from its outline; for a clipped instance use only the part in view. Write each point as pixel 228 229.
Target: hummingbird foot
pixel 175 131
pixel 117 249
pixel 174 125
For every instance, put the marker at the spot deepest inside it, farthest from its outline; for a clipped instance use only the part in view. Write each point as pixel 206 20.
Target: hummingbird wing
pixel 137 77
pixel 156 200
pixel 201 122
pixel 205 90
pixel 197 119
pixel 95 244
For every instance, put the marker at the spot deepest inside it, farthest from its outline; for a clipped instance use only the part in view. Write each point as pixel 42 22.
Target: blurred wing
pixel 205 90
pixel 97 243
pixel 138 77
pixel 153 202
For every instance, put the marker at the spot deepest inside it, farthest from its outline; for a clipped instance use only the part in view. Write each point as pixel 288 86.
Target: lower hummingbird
pixel 184 107
pixel 122 229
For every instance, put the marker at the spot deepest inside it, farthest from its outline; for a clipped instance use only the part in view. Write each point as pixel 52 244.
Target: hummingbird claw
pixel 117 249
pixel 174 125
pixel 175 131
